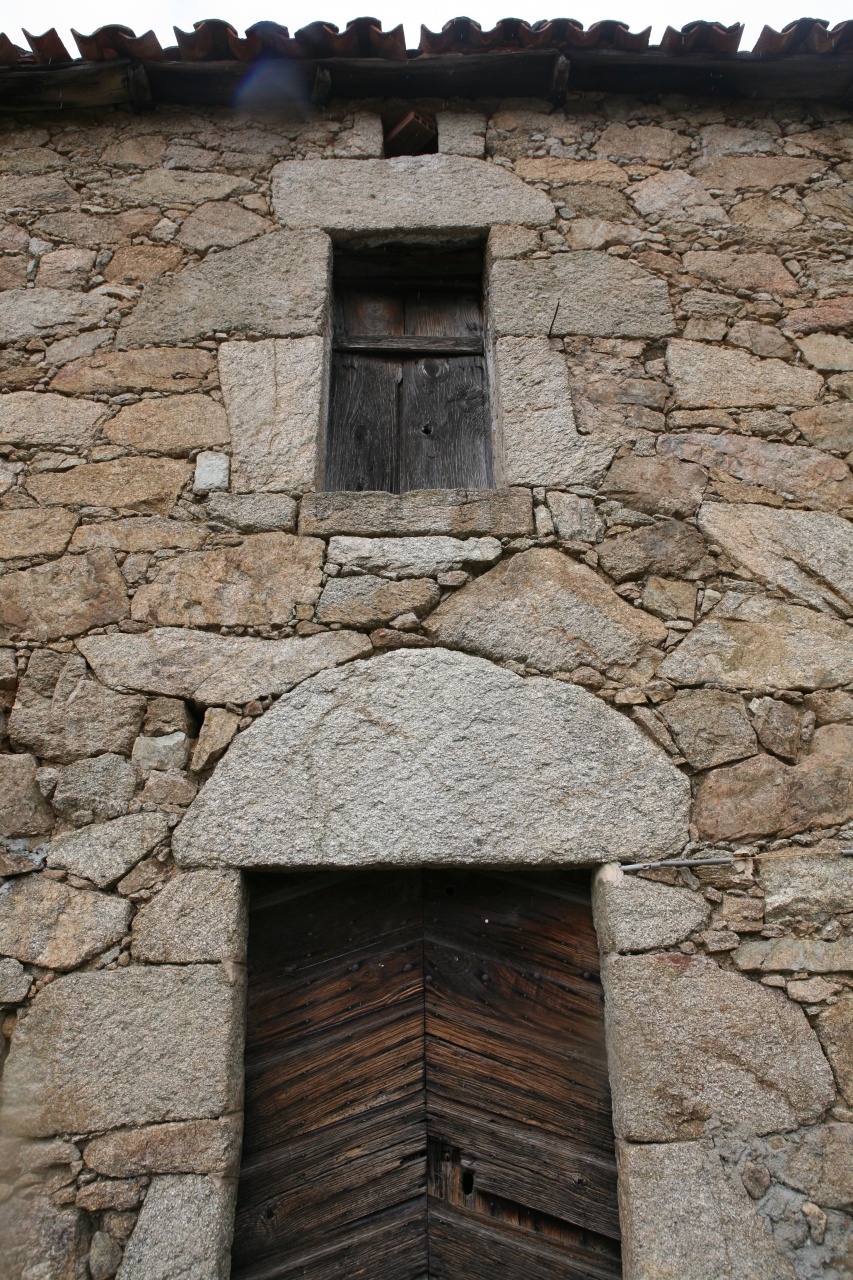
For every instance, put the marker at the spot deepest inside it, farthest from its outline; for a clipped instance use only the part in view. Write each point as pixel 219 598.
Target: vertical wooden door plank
pixel 521 1168
pixel 378 311
pixel 431 313
pixel 334 1148
pixel 445 436
pixel 362 451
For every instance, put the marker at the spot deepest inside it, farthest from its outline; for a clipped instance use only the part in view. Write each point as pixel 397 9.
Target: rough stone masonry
pixel 638 645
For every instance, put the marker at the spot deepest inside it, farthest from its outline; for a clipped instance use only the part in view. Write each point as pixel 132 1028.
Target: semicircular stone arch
pixel 436 757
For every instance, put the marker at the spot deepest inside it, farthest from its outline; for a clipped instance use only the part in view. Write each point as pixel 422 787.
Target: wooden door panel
pixel 531 1003
pixel 442 314
pixel 304 919
pixel 365 980
pixel 387 1246
pixel 426 1088
pixel 509 915
pixel 547 1173
pixel 369 311
pixel 334 1113
pixel 296 1195
pixel 518 1092
pixel 445 435
pixel 329 1077
pixel 362 450
pixel 463 1245
pixel 565 1086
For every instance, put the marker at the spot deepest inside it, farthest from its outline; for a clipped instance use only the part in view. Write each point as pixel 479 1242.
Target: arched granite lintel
pixel 436 757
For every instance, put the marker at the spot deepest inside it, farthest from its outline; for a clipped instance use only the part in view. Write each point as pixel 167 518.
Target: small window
pixel 415 134
pixel 409 404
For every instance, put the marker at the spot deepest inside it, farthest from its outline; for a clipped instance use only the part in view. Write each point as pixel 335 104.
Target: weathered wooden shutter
pixel 426 1087
pixel 409 406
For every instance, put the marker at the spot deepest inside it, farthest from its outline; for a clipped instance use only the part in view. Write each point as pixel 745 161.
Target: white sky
pixel 161 15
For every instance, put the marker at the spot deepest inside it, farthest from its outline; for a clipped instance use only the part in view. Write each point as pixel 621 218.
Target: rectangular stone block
pixel 29 531
pixel 806 553
pixel 731 173
pixel 578 293
pixel 188 1146
pixel 23 809
pixel 36 191
pixel 791 954
pixel 222 293
pixel 461 513
pixel 633 914
pixel 126 1047
pixel 254 584
pixel 56 1238
pixel 154 369
pixel 149 485
pixel 106 851
pixel 63 597
pixel 753 642
pixel 461 133
pixel 166 187
pixel 545 609
pixel 762 796
pixel 55 926
pixel 762 271
pixel 27 312
pixel 685 1214
pixel 672 194
pixel 711 727
pixel 556 170
pixel 32 417
pixel 541 444
pixel 274 394
pixel 199 916
pixel 213 669
pixel 363 140
pixel 139 533
pixel 96 230
pixel 746 470
pixel 710 376
pixel 184 1230
pixel 688 1043
pixel 422 193
pixel 835 1030
pixel 369 601
pixel 815 886
pixel 411 557
pixel 575 518
pixel 170 424
pixel 254 512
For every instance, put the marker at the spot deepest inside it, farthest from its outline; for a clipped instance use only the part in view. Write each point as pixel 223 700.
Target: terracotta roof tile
pixel 213 40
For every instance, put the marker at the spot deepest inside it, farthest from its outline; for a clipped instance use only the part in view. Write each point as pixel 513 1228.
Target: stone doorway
pixel 426 1081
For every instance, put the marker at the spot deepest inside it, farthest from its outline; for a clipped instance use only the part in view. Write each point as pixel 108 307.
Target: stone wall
pixel 641 640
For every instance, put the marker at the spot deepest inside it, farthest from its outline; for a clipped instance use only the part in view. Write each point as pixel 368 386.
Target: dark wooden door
pixel 408 407
pixel 426 1086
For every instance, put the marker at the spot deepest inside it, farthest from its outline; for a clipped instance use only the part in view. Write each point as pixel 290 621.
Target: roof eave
pixel 542 73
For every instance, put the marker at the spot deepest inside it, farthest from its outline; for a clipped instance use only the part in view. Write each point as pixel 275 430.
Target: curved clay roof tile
pixel 210 40
pixel 12 55
pixel 703 37
pixel 48 49
pixel 102 44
